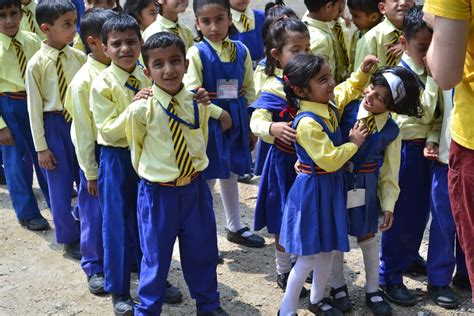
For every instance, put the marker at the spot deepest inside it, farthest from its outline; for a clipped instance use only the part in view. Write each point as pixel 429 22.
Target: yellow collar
pixel 380 119
pixel 319 109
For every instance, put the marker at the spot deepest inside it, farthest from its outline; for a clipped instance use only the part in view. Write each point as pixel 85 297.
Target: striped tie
pixel 20 54
pixel 62 84
pixel 340 37
pixel 175 29
pixel 133 84
pixel 245 22
pixel 392 59
pixel 233 49
pixel 29 17
pixel 183 159
pixel 369 122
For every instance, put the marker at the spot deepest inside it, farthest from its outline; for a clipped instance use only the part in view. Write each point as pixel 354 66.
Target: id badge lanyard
pixel 180 120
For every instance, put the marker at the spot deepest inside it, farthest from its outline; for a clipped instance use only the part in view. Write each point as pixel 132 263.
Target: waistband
pixel 309 170
pixel 284 147
pixel 180 182
pixel 15 95
pixel 370 167
pixel 417 141
pixel 55 112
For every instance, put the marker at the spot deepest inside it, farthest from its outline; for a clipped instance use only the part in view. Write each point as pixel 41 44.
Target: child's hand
pixel 283 132
pixel 368 63
pixel 92 188
pixel 202 96
pixel 6 137
pixel 143 94
pixel 252 141
pixel 396 49
pixel 47 160
pixel 297 167
pixel 387 221
pixel 431 151
pixel 358 134
pixel 226 120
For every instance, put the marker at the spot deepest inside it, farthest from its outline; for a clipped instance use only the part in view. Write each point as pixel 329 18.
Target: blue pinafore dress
pixel 253 38
pixel 229 151
pixel 314 218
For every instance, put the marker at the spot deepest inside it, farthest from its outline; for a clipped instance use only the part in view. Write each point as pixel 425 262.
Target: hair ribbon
pixel 396 86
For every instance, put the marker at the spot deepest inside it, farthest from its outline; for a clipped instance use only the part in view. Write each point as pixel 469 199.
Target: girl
pixel 167 21
pixel 314 218
pixel 271 121
pixel 144 11
pixel 106 4
pixel 224 68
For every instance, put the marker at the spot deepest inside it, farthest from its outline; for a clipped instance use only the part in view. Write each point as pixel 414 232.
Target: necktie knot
pixel 227 44
pixel 369 123
pixel 133 84
pixel 245 22
pixel 175 29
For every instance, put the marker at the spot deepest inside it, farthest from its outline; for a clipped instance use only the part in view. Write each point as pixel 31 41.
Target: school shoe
pixel 246 178
pixel 443 296
pixel 217 312
pixel 418 266
pixel 96 284
pixel 282 281
pixel 343 303
pixel 461 281
pixel 172 294
pixel 73 250
pixel 37 224
pixel 253 240
pixel 123 305
pixel 399 295
pixel 317 308
pixel 378 308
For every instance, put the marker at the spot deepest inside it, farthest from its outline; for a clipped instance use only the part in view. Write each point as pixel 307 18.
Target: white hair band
pixel 396 86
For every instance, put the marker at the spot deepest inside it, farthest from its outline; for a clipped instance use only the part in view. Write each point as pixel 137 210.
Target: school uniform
pixel 112 92
pixel 78 44
pixel 173 199
pixel 84 138
pixel 19 158
pixel 340 37
pixel 28 21
pixel 413 205
pixel 50 127
pixel 356 36
pixel 162 24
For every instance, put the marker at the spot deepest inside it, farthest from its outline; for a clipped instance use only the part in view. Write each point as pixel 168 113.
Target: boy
pixel 47 75
pixel 28 21
pixel 112 91
pixel 167 135
pixel 340 36
pixel 84 136
pixel 383 40
pixel 16 48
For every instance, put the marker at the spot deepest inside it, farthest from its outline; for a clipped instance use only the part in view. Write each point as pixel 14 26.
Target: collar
pixel 217 46
pixel 324 26
pixel 236 14
pixel 389 26
pixel 53 53
pixel 122 75
pixel 6 40
pixel 319 109
pixel 168 24
pixel 98 66
pixel 419 70
pixel 278 72
pixel 165 98
pixel 30 6
pixel 380 119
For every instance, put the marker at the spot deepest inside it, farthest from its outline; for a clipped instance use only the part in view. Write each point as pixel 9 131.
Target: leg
pixel 339 292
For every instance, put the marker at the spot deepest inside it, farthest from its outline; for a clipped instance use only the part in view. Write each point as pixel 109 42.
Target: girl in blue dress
pixel 314 223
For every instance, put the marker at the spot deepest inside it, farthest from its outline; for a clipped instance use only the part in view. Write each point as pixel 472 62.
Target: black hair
pixel 413 22
pixel 162 40
pixel 298 73
pixel 10 3
pixel 273 13
pixel 408 105
pixel 199 4
pixel 134 7
pixel 91 23
pixel 276 3
pixel 277 38
pixel 48 11
pixel 316 5
pixel 366 6
pixel 120 23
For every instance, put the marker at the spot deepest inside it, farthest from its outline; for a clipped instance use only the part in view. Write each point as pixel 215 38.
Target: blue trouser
pixel 118 200
pixel 165 213
pixel 61 179
pixel 400 244
pixel 19 159
pixel 441 251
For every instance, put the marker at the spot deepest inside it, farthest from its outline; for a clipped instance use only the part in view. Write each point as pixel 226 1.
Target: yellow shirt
pixel 25 25
pixel 162 24
pixel 78 44
pixel 236 19
pixel 83 130
pixel 150 140
pixel 259 77
pixel 356 36
pixel 310 134
pixel 441 129
pixel 194 76
pixel 341 53
pixel 462 125
pixel 110 100
pixel 42 85
pixel 374 43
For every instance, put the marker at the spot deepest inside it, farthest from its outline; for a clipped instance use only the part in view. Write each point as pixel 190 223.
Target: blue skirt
pixel 262 151
pixel 314 219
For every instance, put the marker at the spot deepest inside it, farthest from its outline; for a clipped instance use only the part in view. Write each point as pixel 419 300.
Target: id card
pixel 227 89
pixel 355 198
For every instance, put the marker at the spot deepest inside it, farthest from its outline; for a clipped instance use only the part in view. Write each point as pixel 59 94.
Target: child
pixel 412 209
pixel 144 11
pixel 340 36
pixel 314 218
pixel 16 48
pixel 383 40
pixel 48 73
pixel 167 20
pixel 84 137
pixel 224 68
pixel 271 121
pixel 28 21
pixel 373 172
pixel 106 4
pixel 174 199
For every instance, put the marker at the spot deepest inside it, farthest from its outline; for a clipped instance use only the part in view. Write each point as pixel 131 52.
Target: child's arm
pixel 135 129
pixel 387 187
pixel 429 101
pixel 431 150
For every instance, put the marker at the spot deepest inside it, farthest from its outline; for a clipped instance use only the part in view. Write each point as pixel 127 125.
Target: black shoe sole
pixel 400 303
pixel 34 228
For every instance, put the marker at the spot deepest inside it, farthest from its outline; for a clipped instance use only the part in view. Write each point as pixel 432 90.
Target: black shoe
pixel 309 278
pixel 123 305
pixel 37 224
pixel 461 281
pixel 253 241
pixel 418 266
pixel 73 250
pixel 443 296
pixel 217 312
pixel 380 308
pixel 246 178
pixel 220 258
pixel 343 303
pixel 399 295
pixel 316 308
pixel 96 284
pixel 282 280
pixel 172 294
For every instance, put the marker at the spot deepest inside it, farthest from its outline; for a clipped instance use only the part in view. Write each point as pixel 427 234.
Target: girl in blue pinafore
pixel 271 121
pixel 224 68
pixel 314 223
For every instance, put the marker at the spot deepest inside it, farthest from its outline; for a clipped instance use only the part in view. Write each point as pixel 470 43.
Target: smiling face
pixel 213 21
pixel 62 32
pixel 321 87
pixel 239 5
pixel 123 48
pixel 375 99
pixel 395 10
pixel 297 44
pixel 10 18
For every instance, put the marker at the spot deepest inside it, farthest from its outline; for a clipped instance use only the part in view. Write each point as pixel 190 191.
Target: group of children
pixel 152 116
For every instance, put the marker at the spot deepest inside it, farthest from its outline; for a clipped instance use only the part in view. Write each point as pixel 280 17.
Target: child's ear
pixel 374 17
pixel 404 42
pixel 381 6
pixel 300 92
pixel 91 42
pixel 274 53
pixel 161 2
pixel 44 27
pixel 147 73
pixel 104 48
pixel 328 6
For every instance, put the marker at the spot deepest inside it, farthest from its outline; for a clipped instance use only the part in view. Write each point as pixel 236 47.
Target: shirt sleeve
pixel 450 9
pixel 367 45
pixel 387 188
pixel 248 84
pixel 260 123
pixel 434 135
pixel 351 89
pixel 429 101
pixel 135 131
pixel 35 106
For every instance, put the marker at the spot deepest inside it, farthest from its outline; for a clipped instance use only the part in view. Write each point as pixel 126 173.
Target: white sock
pixel 299 273
pixel 370 252
pixel 337 273
pixel 322 269
pixel 283 262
